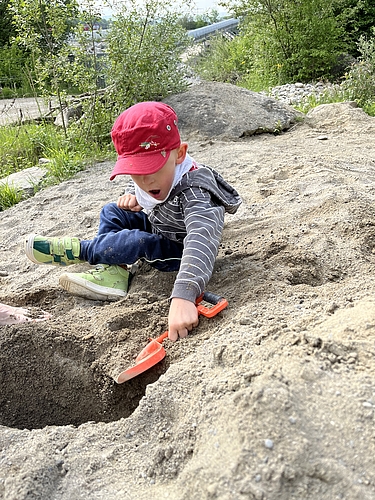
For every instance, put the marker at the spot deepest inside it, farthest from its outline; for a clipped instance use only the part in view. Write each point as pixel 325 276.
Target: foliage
pixel 357 19
pixel 6 27
pixel 84 70
pixel 22 146
pixel 288 40
pixel 223 60
pixel 144 49
pixel 43 26
pixel 13 61
pixel 9 196
pixel 329 96
pixel 141 61
pixel 64 163
pixel 360 80
pixel 190 22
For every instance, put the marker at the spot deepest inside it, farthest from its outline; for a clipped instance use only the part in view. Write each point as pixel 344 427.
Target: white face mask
pixel 148 202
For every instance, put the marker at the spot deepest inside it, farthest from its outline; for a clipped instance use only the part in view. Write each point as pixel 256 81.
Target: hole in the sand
pixel 304 276
pixel 55 381
pixel 303 268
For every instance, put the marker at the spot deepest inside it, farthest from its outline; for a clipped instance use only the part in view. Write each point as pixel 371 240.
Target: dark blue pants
pixel 125 237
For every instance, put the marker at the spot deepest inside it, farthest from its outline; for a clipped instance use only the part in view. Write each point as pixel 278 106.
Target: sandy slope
pixel 272 399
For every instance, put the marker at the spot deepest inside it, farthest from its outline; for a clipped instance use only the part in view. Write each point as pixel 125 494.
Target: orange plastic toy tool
pixel 155 352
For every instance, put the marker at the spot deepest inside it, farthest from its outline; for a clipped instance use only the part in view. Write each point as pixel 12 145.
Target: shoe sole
pixel 83 288
pixel 29 249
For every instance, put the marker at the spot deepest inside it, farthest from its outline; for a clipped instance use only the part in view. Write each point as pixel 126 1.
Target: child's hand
pixel 129 202
pixel 13 315
pixel 183 316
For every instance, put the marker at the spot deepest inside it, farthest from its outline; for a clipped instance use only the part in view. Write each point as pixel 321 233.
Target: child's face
pixel 159 184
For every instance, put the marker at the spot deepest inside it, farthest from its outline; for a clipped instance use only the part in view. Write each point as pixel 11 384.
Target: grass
pixel 22 146
pixel 329 97
pixel 9 196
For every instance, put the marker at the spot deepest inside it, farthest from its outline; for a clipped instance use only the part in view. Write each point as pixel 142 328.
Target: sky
pixel 204 5
pixel 201 6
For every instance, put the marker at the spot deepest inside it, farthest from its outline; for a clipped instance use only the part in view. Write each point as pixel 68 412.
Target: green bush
pixel 359 82
pixel 63 164
pixel 280 41
pixel 14 64
pixel 223 60
pixel 329 96
pixel 22 146
pixel 144 54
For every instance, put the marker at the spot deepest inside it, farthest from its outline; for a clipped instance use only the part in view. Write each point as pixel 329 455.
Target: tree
pixel 6 26
pixel 144 47
pixel 12 57
pixel 42 28
pixel 357 18
pixel 191 22
pixel 139 59
pixel 290 40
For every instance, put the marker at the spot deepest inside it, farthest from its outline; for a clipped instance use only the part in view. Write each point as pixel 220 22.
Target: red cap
pixel 143 136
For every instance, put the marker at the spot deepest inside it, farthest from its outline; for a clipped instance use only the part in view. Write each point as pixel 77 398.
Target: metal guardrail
pixel 205 31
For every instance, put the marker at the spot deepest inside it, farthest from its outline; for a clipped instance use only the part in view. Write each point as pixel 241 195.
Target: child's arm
pixel 204 222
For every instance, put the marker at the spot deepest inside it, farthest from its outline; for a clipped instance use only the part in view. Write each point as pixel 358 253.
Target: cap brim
pixel 140 164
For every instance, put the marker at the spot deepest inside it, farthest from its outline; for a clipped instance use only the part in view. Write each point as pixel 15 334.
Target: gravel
pixel 294 93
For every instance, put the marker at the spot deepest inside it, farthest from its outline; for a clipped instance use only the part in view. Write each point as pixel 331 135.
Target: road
pixel 21 109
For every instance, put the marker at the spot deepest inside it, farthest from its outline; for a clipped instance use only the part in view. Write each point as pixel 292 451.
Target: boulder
pixel 26 180
pixel 226 112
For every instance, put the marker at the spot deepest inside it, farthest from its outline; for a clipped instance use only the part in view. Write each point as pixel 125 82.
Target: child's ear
pixel 181 155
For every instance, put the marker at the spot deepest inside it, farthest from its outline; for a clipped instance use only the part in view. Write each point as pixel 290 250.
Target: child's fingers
pixel 173 335
pixel 14 315
pixel 137 208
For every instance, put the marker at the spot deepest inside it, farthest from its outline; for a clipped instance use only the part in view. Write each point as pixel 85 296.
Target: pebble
pixel 367 404
pixel 294 93
pixel 268 443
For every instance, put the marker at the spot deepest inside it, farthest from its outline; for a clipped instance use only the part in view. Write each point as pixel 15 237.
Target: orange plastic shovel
pixel 155 352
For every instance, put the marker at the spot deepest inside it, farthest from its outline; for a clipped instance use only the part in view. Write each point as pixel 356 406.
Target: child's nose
pixel 148 179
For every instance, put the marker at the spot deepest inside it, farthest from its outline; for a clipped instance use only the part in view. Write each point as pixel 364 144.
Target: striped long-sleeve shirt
pixel 193 214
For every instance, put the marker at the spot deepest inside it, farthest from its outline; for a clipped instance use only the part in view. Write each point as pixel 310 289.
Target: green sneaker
pixel 57 251
pixel 102 283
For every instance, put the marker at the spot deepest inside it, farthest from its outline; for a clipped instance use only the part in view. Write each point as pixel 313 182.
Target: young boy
pixel 171 216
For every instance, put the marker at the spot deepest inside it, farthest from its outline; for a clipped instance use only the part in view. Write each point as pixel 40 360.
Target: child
pixel 171 216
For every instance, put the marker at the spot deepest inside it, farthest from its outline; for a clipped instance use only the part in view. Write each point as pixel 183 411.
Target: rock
pixel 27 180
pixel 224 111
pixel 70 114
pixel 340 116
pixel 295 93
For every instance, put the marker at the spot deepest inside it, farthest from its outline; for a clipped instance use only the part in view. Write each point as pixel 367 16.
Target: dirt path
pixel 21 109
